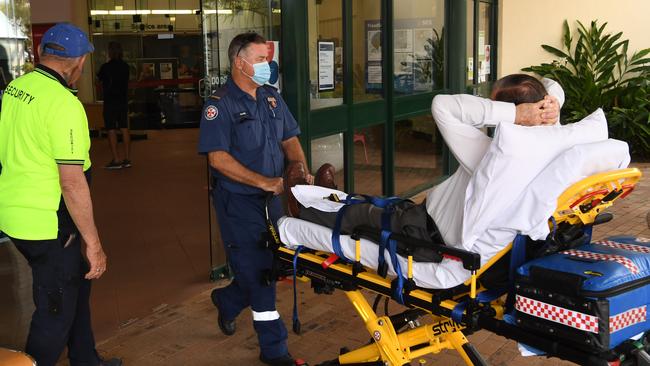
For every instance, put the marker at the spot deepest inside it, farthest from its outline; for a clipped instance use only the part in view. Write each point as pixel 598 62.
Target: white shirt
pixel 460 119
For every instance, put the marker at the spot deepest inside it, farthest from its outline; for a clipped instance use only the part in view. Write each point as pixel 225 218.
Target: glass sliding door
pixel 16 54
pixel 222 21
pixel 481 46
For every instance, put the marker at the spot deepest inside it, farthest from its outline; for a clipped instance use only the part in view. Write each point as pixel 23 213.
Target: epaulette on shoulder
pixel 218 93
pixel 270 88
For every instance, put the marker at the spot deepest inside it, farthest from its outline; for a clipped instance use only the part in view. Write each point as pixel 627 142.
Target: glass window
pixel 418 46
pixel 329 149
pixel 470 42
pixel 325 53
pixel 484 41
pixel 368 143
pixel 479 45
pixel 15 45
pixel 367 62
pixel 418 154
pixel 168 51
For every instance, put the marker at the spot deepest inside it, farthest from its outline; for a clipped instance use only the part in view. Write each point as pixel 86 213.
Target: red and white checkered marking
pixel 626 319
pixel 571 318
pixel 578 320
pixel 626 262
pixel 624 246
pixel 643 240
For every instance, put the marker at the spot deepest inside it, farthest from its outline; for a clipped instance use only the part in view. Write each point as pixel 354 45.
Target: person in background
pixel 114 78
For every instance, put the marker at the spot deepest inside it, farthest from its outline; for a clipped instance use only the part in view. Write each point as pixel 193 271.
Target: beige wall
pixel 527 24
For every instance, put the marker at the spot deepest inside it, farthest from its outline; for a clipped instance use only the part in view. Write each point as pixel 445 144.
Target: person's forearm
pixel 79 204
pixel 231 168
pixel 293 150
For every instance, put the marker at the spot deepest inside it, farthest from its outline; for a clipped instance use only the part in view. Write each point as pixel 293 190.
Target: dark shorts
pixel 115 116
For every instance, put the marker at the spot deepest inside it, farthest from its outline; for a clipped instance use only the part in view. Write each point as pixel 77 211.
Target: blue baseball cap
pixel 69 41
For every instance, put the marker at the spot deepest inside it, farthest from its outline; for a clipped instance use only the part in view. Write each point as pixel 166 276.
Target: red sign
pixel 38 30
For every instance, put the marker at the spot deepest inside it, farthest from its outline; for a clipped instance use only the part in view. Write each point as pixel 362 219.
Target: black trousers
pixel 61 296
pixel 408 218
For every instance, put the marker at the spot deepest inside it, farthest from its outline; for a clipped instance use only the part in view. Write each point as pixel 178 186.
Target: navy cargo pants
pixel 61 296
pixel 242 221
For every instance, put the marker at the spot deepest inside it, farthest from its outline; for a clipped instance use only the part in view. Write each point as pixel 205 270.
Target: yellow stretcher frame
pixel 580 203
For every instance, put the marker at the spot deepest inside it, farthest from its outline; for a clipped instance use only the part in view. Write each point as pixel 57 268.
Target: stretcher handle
pixel 471 261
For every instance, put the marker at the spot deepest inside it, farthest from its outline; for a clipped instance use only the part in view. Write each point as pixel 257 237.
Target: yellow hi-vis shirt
pixel 42 124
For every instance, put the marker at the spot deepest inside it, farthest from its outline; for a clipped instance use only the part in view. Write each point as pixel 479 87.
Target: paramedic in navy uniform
pixel 247 132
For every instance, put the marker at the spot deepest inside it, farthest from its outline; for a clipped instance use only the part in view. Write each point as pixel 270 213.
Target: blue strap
pixel 588 229
pixel 385 243
pixel 336 230
pixel 385 234
pixel 383 202
pixel 296 321
pixel 517 259
pixel 392 249
pixel 353 199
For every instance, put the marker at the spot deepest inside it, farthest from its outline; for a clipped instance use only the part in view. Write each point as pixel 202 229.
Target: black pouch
pixel 54 301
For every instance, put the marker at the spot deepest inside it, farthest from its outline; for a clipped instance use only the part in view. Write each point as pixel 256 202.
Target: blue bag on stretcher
pixel 594 296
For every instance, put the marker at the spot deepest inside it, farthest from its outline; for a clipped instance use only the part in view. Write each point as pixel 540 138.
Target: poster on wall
pixel 403 41
pixel 273 57
pixel 373 57
pixel 487 59
pixel 155 69
pixel 423 39
pixel 166 71
pixel 417 59
pixel 403 72
pixel 146 71
pixel 325 66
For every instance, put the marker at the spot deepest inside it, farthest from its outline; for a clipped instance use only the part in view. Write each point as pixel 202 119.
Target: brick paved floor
pixel 187 334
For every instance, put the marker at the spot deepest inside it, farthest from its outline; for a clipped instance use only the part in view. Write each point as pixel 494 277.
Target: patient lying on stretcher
pixel 494 183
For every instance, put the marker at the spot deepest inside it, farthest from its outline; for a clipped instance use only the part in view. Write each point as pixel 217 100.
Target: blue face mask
pixel 261 72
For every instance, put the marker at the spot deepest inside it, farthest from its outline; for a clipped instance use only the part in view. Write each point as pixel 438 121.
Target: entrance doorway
pixel 155 219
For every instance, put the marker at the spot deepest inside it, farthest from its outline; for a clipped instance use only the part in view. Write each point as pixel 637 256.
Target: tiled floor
pixel 186 333
pixel 153 223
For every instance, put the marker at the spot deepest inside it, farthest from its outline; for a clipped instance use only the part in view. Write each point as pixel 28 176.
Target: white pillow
pixel 515 157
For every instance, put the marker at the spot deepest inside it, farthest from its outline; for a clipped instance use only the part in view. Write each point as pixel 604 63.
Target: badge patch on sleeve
pixel 211 112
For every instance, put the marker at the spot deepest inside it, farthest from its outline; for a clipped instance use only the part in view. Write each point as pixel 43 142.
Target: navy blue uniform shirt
pixel 251 130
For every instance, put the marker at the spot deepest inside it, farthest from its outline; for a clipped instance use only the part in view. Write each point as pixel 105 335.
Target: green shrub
pixel 595 71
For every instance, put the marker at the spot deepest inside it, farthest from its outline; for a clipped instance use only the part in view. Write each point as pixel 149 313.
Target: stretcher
pixel 477 304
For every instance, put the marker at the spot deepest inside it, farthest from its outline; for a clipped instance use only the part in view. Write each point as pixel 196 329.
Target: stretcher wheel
pixel 474 356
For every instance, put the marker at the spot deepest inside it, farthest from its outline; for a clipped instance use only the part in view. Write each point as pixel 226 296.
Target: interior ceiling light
pixel 220 12
pixel 173 11
pixel 120 12
pixel 119 7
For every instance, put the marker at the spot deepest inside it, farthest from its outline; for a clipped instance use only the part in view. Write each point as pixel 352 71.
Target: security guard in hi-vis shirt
pixel 45 205
pixel 248 132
